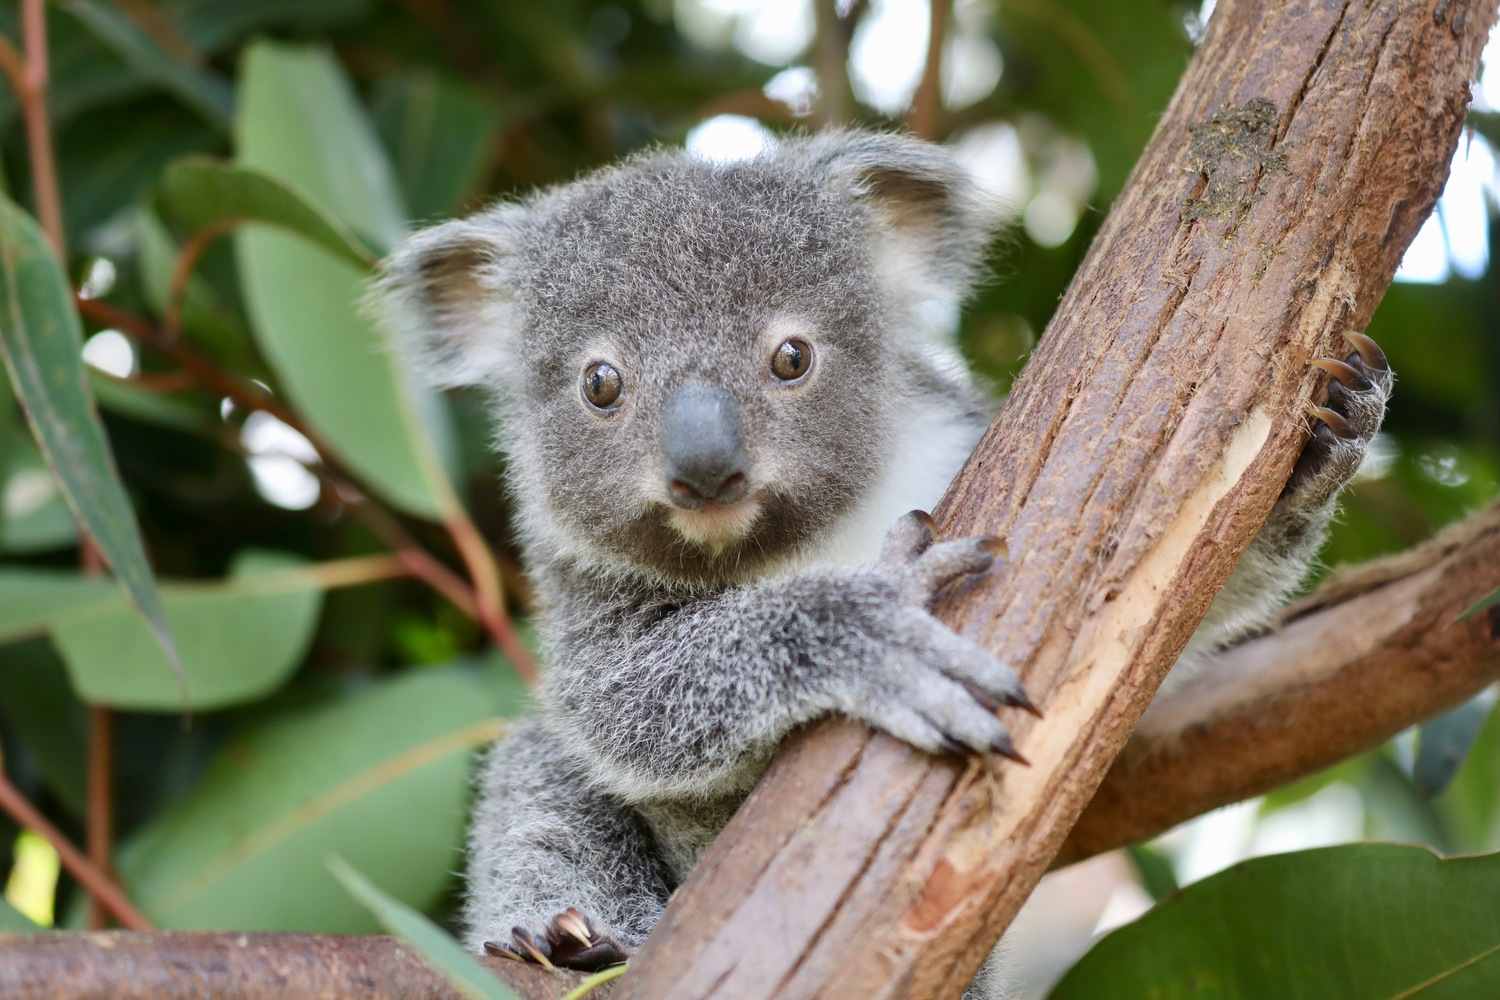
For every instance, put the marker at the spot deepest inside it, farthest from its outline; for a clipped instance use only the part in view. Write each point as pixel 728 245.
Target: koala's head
pixel 698 367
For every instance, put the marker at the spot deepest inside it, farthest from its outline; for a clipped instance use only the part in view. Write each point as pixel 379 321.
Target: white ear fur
pixel 447 297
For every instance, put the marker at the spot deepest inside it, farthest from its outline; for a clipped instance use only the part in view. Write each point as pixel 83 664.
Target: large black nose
pixel 704 447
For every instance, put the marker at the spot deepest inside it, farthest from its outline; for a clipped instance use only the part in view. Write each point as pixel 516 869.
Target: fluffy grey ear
pixel 448 298
pixel 936 220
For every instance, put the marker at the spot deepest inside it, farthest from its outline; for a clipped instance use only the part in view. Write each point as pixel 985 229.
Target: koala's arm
pixel 663 699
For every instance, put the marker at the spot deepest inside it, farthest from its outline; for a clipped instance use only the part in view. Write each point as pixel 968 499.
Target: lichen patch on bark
pixel 1232 150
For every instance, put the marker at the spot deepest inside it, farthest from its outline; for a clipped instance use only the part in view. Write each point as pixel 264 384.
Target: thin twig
pixel 480 563
pixel 33 98
pixel 926 113
pixel 100 803
pixel 182 272
pixel 99 885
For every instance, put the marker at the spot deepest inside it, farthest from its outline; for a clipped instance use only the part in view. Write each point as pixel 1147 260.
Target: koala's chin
pixel 716 526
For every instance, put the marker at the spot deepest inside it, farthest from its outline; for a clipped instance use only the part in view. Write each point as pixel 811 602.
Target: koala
pixel 726 393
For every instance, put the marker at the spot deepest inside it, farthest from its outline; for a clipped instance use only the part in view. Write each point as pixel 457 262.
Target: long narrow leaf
pixel 42 340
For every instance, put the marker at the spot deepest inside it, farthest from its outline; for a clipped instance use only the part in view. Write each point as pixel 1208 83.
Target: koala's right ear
pixel 447 296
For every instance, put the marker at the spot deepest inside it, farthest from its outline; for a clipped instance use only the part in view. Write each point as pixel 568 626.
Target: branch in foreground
pixel 1139 451
pixel 1373 652
pixel 1319 698
pixel 186 965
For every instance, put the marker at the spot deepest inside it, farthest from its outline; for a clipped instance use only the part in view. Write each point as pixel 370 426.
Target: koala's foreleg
pixel 558 873
pixel 1279 557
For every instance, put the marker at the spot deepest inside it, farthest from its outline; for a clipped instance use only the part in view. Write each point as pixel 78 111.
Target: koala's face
pixel 705 379
pixel 699 367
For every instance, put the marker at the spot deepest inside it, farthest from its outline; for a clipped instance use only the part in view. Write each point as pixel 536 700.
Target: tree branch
pixel 184 965
pixel 1371 653
pixel 1139 452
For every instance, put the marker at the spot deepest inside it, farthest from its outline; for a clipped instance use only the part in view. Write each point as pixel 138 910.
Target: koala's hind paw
pixel 1357 394
pixel 570 940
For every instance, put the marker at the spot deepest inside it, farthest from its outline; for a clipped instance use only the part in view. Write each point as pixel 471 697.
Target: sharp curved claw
pixel 1005 748
pixel 1019 700
pixel 500 951
pixel 925 520
pixel 1369 351
pixel 1348 375
pixel 528 944
pixel 1335 421
pixel 572 923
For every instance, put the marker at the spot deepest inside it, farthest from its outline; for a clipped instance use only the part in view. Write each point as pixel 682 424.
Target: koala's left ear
pixel 936 220
pixel 447 296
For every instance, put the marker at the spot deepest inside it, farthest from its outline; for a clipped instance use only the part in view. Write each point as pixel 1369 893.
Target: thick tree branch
pixel 1139 452
pixel 182 965
pixel 1372 652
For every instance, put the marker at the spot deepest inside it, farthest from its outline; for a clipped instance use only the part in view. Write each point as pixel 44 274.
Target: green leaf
pixel 1357 922
pixel 1484 604
pixel 442 954
pixel 300 122
pixel 439 132
pixel 13 921
pixel 200 88
pixel 198 192
pixel 1444 744
pixel 42 341
pixel 44 715
pixel 240 638
pixel 380 776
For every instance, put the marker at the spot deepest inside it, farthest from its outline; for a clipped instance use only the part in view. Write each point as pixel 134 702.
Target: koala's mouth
pixel 717 525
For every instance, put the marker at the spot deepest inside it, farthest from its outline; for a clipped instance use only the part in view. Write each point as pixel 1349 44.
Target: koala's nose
pixel 703 446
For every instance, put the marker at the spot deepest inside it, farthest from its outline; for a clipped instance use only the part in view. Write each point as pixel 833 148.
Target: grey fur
pixel 682 649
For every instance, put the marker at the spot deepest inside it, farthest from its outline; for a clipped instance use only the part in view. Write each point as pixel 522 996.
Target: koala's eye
pixel 601 385
pixel 792 359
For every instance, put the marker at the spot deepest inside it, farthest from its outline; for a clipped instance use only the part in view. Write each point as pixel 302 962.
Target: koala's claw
pixel 570 940
pixel 1346 422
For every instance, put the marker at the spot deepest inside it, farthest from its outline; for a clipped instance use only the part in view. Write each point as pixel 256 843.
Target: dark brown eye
pixel 792 359
pixel 601 385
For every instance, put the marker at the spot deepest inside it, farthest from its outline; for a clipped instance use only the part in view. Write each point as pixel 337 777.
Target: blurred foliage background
pixel 312 517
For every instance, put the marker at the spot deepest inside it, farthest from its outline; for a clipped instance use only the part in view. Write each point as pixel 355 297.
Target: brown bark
pixel 181 965
pixel 1369 654
pixel 1138 453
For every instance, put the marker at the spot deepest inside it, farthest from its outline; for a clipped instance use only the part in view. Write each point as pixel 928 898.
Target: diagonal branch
pixel 1138 454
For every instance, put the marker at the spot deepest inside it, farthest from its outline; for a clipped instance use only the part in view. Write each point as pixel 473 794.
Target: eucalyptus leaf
pixel 1356 922
pixel 240 638
pixel 1482 605
pixel 198 192
pixel 198 86
pixel 300 121
pixel 247 849
pixel 442 954
pixel 439 132
pixel 13 921
pixel 42 343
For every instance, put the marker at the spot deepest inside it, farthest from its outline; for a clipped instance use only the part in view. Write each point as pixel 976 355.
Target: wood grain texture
pixel 185 965
pixel 1139 451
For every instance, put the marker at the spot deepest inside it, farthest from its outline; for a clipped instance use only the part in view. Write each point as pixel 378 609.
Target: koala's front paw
pixel 1357 394
pixel 570 940
pixel 923 682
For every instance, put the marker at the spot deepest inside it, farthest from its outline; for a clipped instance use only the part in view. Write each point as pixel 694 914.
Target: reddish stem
pixel 33 97
pixel 182 271
pixel 100 803
pixel 98 885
